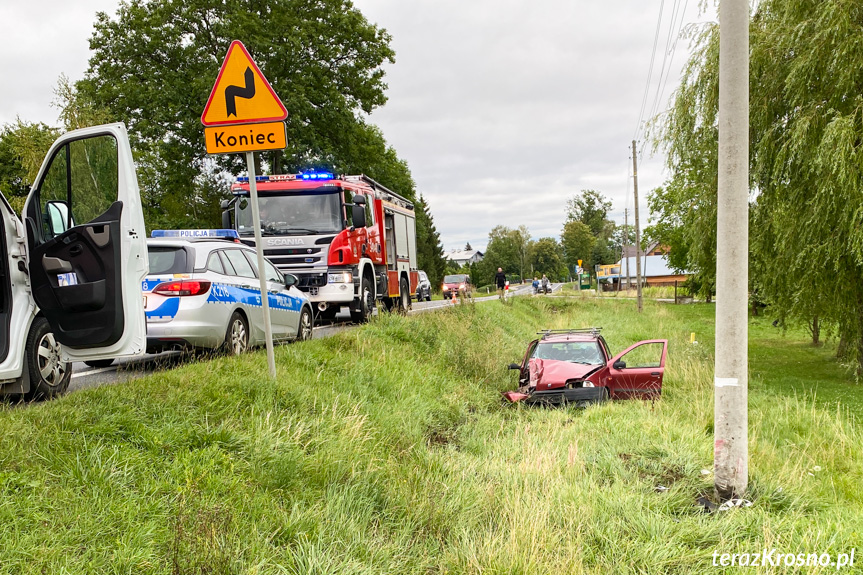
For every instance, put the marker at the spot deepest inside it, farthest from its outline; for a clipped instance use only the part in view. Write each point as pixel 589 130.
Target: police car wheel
pixel 237 336
pixel 49 376
pixel 304 330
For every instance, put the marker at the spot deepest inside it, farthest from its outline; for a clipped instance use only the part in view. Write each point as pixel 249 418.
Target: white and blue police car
pixel 203 291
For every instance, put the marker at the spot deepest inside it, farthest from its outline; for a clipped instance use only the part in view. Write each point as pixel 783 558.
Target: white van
pixel 70 281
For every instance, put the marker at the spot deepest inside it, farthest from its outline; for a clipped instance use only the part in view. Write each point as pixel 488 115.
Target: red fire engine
pixel 349 240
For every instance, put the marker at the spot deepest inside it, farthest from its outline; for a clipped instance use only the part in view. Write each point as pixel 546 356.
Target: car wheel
pixel 49 376
pixel 366 303
pixel 404 296
pixel 304 330
pixel 100 362
pixel 237 335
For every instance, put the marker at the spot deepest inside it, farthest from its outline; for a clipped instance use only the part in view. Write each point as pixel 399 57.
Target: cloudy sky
pixel 503 109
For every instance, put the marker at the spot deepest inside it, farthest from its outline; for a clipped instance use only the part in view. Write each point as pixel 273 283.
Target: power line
pixel 649 71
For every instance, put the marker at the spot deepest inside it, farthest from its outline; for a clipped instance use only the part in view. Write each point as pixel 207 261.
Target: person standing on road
pixel 500 281
pixel 545 284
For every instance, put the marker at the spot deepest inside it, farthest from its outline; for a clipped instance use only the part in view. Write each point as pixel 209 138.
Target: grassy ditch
pixel 386 450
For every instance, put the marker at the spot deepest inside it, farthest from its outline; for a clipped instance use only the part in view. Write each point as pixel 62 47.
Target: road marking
pixel 94 371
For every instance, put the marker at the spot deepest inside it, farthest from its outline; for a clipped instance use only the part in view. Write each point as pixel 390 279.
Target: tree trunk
pixel 842 348
pixel 815 330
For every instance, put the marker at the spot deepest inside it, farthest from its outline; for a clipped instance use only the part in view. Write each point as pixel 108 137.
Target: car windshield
pixel 586 352
pixel 456 279
pixel 166 260
pixel 294 214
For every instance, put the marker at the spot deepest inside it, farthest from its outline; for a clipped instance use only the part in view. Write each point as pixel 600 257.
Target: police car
pixel 203 291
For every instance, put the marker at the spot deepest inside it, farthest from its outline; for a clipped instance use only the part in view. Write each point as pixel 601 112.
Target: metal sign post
pixel 244 115
pixel 262 275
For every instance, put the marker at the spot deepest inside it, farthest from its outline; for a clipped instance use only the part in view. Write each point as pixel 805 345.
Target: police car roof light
pixel 216 233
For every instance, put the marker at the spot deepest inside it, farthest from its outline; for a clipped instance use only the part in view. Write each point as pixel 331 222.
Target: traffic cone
pixel 453 298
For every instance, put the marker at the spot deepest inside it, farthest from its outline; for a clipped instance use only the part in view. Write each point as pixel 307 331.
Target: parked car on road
pixel 70 285
pixel 423 287
pixel 576 366
pixel 459 284
pixel 204 292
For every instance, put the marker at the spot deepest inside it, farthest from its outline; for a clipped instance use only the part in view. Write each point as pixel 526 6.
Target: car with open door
pixel 70 280
pixel 576 366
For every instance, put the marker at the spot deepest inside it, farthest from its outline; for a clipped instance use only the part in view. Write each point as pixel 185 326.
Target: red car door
pixel 637 371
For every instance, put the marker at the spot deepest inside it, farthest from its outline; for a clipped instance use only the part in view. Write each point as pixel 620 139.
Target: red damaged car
pixel 575 365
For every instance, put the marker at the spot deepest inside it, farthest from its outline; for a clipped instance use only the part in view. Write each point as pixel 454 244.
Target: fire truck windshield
pixel 294 214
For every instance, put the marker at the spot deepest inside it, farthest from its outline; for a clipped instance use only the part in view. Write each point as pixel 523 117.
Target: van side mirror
pixel 619 364
pixel 57 217
pixel 358 213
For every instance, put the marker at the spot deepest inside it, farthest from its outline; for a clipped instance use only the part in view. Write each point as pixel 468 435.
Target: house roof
pixel 462 254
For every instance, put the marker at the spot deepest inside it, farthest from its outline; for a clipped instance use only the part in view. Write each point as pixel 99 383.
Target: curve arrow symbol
pixel 246 92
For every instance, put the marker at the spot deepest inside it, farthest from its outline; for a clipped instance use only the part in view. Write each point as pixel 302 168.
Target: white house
pixel 463 257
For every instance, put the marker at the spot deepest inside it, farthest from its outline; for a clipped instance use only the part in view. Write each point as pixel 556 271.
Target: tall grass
pixel 387 450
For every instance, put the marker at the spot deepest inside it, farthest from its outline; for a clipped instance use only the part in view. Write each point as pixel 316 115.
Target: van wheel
pixel 99 362
pixel 366 303
pixel 304 330
pixel 237 335
pixel 404 296
pixel 49 376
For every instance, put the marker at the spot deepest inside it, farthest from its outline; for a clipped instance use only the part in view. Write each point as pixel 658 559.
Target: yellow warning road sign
pixel 241 94
pixel 245 138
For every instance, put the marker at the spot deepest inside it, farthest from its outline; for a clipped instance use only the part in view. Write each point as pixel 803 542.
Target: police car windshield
pixel 299 213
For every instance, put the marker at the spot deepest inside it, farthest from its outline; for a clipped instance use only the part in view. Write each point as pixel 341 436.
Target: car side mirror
pixel 619 364
pixel 291 280
pixel 514 366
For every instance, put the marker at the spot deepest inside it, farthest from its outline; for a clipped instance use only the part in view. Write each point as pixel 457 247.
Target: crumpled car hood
pixel 552 373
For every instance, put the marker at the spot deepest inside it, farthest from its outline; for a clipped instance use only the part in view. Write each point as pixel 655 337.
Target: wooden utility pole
pixel 730 415
pixel 637 228
pixel 626 228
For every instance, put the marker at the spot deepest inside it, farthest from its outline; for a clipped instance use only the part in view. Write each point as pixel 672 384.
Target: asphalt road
pixel 84 377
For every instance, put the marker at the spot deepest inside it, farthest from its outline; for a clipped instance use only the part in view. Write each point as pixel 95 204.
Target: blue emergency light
pixel 316 176
pixel 245 179
pixel 223 233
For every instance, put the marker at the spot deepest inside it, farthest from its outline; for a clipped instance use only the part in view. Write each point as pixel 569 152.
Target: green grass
pixel 386 450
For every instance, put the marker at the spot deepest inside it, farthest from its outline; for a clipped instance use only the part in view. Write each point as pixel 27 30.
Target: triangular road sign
pixel 241 94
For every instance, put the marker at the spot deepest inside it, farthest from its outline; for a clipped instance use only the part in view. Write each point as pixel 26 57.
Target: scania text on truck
pixel 349 240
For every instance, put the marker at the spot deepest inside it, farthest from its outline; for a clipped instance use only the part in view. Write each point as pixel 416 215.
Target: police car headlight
pixel 587 384
pixel 340 278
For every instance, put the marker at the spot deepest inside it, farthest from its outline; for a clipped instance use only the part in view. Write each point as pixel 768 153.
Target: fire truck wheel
pixel 366 302
pixel 404 296
pixel 237 335
pixel 304 329
pixel 48 375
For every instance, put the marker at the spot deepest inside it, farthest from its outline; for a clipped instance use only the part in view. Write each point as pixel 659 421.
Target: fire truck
pixel 349 240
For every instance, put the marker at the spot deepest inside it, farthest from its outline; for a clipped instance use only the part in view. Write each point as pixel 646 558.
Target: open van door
pixel 86 245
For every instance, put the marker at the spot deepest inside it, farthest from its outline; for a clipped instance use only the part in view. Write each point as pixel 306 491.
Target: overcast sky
pixel 503 109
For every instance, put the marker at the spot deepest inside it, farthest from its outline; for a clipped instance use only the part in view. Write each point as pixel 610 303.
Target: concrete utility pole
pixel 637 228
pixel 730 449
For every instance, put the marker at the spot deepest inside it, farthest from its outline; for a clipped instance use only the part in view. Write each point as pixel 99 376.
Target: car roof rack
pixel 594 331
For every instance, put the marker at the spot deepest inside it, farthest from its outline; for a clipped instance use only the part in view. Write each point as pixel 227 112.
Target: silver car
pixel 204 292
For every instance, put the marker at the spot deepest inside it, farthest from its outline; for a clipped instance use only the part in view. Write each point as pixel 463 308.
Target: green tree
pixel 577 243
pixel 504 250
pixel 684 209
pixel 429 247
pixel 546 257
pixel 155 61
pixel 805 159
pixel 590 208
